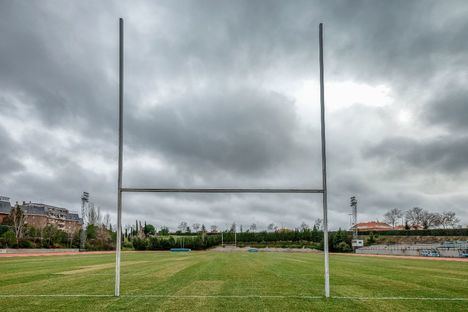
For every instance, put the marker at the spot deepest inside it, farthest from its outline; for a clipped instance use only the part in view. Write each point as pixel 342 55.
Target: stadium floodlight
pixel 121 189
pixel 84 200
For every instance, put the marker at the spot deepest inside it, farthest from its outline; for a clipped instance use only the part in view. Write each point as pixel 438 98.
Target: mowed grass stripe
pixel 234 281
pixel 164 274
pixel 305 276
pixel 388 281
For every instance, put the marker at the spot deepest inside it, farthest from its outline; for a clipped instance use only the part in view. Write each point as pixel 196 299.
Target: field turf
pixel 239 281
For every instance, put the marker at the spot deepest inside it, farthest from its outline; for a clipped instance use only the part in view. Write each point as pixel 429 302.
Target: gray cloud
pixel 8 162
pixel 246 132
pixel 445 154
pixel 449 107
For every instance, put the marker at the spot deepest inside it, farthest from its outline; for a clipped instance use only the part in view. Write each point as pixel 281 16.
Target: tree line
pixel 418 218
pixel 100 235
pixel 143 236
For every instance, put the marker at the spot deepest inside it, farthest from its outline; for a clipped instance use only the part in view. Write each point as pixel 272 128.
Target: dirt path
pixel 65 253
pixel 71 253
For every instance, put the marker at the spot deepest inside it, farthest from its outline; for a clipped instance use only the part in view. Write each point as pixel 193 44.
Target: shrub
pixel 4 229
pixel 25 244
pixel 343 247
pixel 9 239
pixel 127 245
pixel 140 243
pixel 371 239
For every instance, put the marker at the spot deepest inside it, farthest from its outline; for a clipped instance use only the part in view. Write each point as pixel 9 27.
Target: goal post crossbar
pixel 219 190
pixel 121 190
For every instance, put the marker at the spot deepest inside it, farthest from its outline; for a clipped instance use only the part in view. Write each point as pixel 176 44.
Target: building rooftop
pixel 372 225
pixel 50 211
pixel 5 206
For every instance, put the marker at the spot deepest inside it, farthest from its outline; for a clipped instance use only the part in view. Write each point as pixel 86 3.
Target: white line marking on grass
pixel 53 295
pixel 222 296
pixel 402 298
pixel 230 296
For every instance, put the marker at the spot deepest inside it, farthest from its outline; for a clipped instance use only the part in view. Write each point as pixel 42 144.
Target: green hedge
pixel 258 237
pixel 280 244
pixel 166 243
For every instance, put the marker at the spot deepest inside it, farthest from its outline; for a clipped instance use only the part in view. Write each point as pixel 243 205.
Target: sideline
pixel 65 253
pixel 232 296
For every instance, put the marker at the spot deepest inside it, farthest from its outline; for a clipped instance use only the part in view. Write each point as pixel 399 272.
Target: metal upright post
pixel 324 164
pixel 119 183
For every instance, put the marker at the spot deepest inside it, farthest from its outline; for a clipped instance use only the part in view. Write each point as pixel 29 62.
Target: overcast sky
pixel 225 94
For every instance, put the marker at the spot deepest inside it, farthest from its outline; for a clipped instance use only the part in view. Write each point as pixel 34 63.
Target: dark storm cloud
pixel 449 107
pixel 8 158
pixel 402 42
pixel 438 155
pixel 202 105
pixel 243 131
pixel 52 61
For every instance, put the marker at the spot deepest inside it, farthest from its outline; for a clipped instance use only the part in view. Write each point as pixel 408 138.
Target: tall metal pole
pixel 235 235
pixel 83 226
pixel 119 183
pixel 324 165
pixel 84 200
pixel 354 213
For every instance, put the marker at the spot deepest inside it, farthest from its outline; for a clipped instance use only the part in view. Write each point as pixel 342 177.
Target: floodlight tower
pixel 84 201
pixel 353 203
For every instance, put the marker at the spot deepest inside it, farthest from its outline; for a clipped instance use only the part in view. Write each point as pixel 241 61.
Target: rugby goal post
pixel 121 189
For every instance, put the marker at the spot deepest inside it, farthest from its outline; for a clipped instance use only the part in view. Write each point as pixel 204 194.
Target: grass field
pixel 241 281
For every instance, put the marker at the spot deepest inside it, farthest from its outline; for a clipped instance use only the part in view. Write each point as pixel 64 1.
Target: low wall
pixel 35 251
pixel 408 250
pixel 412 240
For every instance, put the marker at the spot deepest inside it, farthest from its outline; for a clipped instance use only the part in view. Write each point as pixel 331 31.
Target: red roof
pixel 372 226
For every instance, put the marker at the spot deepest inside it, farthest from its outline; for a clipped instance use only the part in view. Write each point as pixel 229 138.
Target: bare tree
pixel 196 227
pixel 127 230
pixel 392 216
pixel 233 227
pixel 414 217
pixel 449 219
pixel 429 219
pixel 107 221
pixel 253 227
pixel 304 226
pixel 214 229
pixel 318 223
pixel 271 227
pixel 18 217
pixel 141 231
pixel 94 214
pixel 183 226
